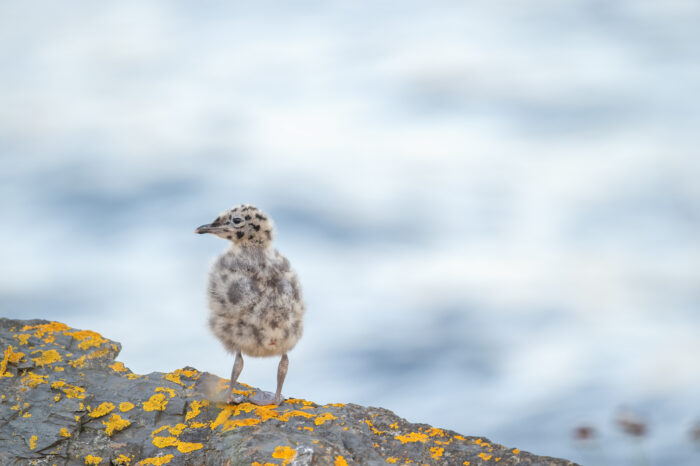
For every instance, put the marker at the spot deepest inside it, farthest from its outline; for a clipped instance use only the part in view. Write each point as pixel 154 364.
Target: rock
pixel 65 401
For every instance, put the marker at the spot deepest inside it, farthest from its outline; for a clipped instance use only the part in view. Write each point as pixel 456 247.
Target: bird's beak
pixel 205 229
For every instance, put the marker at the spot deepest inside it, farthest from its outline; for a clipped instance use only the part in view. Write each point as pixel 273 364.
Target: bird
pixel 254 296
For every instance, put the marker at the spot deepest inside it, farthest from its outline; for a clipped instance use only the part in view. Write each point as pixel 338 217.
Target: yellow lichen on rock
pixel 87 338
pixel 23 338
pixel 78 363
pixel 115 423
pixel 71 391
pixel 156 403
pixel 412 437
pixel 195 408
pixel 94 460
pixel 285 453
pixel 125 406
pixel 322 418
pixel 340 461
pixel 122 459
pixel 436 452
pixel 32 442
pixel 47 357
pixel 156 460
pixel 186 447
pixel 118 366
pixel 162 442
pixel 64 432
pixel 32 379
pixel 102 409
pixel 232 424
pixel 9 356
pixel 169 391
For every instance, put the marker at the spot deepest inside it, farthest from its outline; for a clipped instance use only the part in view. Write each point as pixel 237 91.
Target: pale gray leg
pixel 267 398
pixel 235 372
pixel 281 374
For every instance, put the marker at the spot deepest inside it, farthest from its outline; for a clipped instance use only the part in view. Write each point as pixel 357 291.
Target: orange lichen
pixel 223 416
pixel 102 409
pixel 394 425
pixel 484 456
pixel 198 425
pixel 436 452
pixel 9 357
pixel 340 461
pixel 157 460
pixel 133 376
pixel 433 431
pixel 32 379
pixel 412 437
pixel 32 442
pixel 87 338
pixel 497 459
pixel 285 453
pixel 515 451
pixel 96 460
pixel 294 413
pixel 98 353
pixel 162 442
pixel 169 391
pixel 118 366
pixel 122 459
pixel 322 418
pixel 175 375
pixel 230 425
pixel 195 408
pixel 392 460
pixel 459 437
pixel 296 401
pixel 78 363
pixel 466 463
pixel 115 423
pixel 47 357
pixel 125 406
pixel 71 391
pixel 177 430
pixel 27 415
pixel 156 403
pixel 23 338
pixel 64 432
pixel 187 447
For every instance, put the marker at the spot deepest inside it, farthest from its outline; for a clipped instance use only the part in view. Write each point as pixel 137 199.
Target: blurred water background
pixel 494 207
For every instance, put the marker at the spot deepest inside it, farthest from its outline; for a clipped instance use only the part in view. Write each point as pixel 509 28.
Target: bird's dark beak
pixel 204 229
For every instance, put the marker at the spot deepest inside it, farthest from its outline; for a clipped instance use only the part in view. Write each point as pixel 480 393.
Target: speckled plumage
pixel 255 300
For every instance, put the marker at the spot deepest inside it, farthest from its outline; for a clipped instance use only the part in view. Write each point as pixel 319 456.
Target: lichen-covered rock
pixel 65 401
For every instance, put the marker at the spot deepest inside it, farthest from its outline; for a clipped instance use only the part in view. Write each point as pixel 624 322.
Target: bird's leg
pixel 281 374
pixel 235 372
pixel 267 398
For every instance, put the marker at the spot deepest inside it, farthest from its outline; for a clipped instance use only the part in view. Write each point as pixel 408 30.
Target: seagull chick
pixel 254 295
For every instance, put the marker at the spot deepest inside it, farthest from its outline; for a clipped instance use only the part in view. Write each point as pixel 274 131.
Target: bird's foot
pixel 235 398
pixel 262 398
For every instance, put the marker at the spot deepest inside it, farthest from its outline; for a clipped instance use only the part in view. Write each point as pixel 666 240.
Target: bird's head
pixel 243 225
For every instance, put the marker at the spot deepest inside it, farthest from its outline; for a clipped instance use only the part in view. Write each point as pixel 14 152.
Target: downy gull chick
pixel 254 296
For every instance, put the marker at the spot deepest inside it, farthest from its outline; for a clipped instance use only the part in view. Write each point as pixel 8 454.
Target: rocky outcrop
pixel 66 401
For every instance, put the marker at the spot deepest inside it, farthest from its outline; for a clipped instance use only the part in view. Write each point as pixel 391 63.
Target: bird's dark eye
pixel 236 220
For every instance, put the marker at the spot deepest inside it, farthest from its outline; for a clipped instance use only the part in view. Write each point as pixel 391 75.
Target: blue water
pixel 493 207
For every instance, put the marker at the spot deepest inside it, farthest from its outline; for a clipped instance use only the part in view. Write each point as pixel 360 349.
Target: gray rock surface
pixel 65 401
